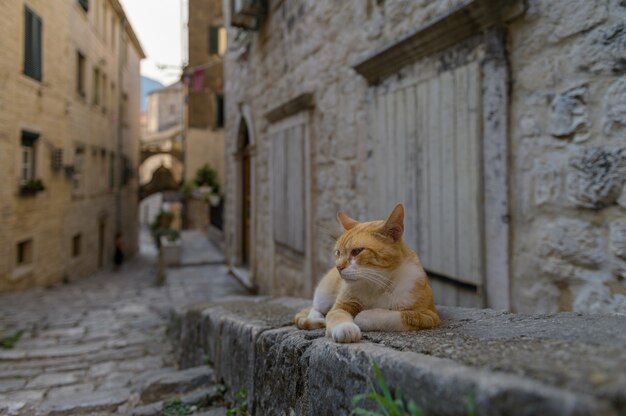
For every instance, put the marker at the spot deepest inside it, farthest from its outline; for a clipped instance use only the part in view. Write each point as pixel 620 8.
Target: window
pixel 104 93
pixel 32 44
pixel 96 86
pixel 104 22
pixel 112 171
pixel 28 158
pixel 84 4
pixel 77 178
pixel 80 74
pixel 24 252
pixel 217 40
pixel 113 30
pixel 76 245
pixel 219 109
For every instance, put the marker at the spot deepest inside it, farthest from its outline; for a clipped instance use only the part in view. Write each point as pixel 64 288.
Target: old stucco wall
pixel 566 115
pixel 568 141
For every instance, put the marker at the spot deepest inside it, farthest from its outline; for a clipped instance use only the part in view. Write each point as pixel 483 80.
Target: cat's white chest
pixel 401 296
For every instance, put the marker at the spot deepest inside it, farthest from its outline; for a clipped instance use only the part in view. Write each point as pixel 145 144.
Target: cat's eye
pixel 356 251
pixel 337 253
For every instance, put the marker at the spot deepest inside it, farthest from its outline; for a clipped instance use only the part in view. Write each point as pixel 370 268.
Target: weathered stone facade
pixel 87 147
pixel 560 137
pixel 204 141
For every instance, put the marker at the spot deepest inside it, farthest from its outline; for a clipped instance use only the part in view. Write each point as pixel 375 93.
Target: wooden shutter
pixel 288 185
pixel 214 39
pixel 427 154
pixel 32 44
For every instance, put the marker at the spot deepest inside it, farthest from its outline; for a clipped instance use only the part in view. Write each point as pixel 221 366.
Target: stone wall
pixel 561 364
pixel 66 120
pixel 568 146
pixel 566 136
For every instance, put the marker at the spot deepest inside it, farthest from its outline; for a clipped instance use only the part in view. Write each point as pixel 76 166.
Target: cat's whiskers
pixel 375 277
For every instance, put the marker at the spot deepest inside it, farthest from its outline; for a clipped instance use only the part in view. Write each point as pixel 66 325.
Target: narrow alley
pixel 99 345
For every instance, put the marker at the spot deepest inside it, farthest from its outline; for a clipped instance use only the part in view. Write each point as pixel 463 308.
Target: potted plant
pixel 31 187
pixel 170 246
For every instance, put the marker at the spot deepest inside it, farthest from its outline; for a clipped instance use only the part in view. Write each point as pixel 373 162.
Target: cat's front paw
pixel 346 332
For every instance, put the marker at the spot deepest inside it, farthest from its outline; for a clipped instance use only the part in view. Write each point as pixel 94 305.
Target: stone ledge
pixel 561 364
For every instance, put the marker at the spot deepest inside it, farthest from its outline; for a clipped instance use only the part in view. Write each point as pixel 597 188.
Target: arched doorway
pixel 246 194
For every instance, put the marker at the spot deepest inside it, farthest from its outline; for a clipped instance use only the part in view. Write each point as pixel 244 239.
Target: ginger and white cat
pixel 378 284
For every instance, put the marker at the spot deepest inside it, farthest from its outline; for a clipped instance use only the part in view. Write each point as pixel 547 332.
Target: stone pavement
pixel 198 250
pixel 99 345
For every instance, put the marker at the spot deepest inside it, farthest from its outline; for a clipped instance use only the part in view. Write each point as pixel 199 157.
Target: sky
pixel 159 31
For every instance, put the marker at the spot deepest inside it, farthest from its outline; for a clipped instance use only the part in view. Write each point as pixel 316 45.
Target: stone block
pixel 54 379
pixel 547 181
pixel 602 51
pixel 569 116
pixel 577 242
pixel 596 177
pixel 574 16
pixel 173 382
pixel 80 403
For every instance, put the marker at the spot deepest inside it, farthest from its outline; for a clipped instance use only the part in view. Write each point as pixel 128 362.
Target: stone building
pixel 204 135
pixel 69 138
pixel 499 124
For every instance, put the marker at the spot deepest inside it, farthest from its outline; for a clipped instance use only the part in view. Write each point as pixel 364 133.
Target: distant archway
pixel 149 166
pixel 162 180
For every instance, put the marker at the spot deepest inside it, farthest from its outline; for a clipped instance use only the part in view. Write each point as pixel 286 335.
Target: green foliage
pixel 10 341
pixel 160 218
pixel 393 404
pixel 34 185
pixel 186 189
pixel 207 176
pixel 176 408
pixel 388 403
pixel 471 405
pixel 241 407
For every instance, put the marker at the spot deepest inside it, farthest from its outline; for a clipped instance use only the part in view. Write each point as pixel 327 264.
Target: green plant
pixel 176 408
pixel 161 219
pixel 393 404
pixel 186 189
pixel 241 407
pixel 10 341
pixel 34 185
pixel 389 405
pixel 207 176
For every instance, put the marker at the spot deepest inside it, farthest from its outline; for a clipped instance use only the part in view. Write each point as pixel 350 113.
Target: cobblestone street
pixel 99 345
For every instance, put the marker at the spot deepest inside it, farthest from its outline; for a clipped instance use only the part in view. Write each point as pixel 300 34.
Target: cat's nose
pixel 341 267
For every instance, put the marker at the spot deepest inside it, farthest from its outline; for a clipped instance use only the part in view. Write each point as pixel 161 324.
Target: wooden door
pixel 245 211
pixel 426 153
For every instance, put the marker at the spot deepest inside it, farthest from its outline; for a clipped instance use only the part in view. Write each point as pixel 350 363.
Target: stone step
pixel 169 382
pixel 201 399
pixel 84 403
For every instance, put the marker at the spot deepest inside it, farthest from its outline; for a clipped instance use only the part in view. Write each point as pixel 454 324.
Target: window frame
pixel 28 147
pixel 81 64
pixel 33 45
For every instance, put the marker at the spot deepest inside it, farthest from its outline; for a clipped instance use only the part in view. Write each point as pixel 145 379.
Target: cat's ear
pixel 347 222
pixel 394 224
